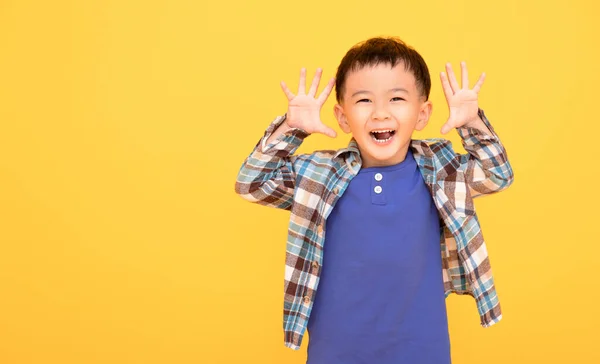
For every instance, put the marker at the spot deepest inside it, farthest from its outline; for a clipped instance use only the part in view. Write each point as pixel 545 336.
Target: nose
pixel 381 113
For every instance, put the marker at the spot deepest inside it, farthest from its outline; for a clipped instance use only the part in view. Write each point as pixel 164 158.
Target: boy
pixel 368 222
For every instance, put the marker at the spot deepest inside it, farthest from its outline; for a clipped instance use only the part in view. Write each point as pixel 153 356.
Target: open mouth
pixel 382 136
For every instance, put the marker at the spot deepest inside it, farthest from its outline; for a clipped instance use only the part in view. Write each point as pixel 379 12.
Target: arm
pixel 267 176
pixel 485 166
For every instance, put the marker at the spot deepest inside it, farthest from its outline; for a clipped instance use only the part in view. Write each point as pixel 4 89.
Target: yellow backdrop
pixel 123 126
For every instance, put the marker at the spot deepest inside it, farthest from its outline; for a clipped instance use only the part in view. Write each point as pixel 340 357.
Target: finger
pixel 287 91
pixel 326 91
pixel 446 86
pixel 451 77
pixel 315 83
pixel 477 86
pixel 465 75
pixel 446 128
pixel 302 84
pixel 327 131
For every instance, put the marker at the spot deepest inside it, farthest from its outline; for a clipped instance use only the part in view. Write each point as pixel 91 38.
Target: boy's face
pixel 381 107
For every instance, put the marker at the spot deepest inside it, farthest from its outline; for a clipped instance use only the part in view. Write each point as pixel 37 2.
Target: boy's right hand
pixel 304 110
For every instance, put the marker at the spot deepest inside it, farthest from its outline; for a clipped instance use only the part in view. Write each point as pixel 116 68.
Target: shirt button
pixel 378 177
pixel 320 229
pixel 306 299
pixel 315 265
pixel 378 189
pixel 336 190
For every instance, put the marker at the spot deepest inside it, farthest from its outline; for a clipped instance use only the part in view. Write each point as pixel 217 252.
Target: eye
pixel 397 98
pixel 361 100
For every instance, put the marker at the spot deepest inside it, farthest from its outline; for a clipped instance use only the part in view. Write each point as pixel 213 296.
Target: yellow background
pixel 123 125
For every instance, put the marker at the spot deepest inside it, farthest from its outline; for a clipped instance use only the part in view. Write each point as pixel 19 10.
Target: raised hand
pixel 304 110
pixel 462 101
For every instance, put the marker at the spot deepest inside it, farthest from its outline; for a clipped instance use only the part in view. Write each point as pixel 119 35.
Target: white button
pixel 378 189
pixel 378 176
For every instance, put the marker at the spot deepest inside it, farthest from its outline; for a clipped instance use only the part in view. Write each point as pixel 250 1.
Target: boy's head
pixel 382 90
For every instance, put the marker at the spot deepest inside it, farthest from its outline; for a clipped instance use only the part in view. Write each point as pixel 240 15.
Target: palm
pixel 304 110
pixel 463 107
pixel 462 102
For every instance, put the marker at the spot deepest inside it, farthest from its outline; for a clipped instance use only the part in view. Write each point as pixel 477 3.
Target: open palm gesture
pixel 304 110
pixel 462 101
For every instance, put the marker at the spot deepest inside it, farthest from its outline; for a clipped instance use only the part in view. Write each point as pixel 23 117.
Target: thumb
pixel 446 128
pixel 327 131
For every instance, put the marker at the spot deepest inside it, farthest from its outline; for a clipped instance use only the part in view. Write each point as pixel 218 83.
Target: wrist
pixel 287 126
pixel 474 123
pixel 286 122
pixel 478 124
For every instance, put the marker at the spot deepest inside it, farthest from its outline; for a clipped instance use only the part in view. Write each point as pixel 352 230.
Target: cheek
pixel 358 117
pixel 405 111
pixel 407 119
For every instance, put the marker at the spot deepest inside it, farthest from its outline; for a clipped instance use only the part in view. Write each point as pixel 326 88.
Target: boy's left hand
pixel 462 101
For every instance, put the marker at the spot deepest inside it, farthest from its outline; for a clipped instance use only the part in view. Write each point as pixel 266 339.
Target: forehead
pixel 380 77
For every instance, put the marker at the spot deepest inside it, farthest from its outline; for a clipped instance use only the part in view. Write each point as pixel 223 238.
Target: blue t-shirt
pixel 380 298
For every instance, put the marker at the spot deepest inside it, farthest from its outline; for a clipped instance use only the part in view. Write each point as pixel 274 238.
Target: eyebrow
pixel 392 90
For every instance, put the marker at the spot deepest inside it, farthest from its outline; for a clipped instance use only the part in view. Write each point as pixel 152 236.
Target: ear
pixel 424 114
pixel 338 111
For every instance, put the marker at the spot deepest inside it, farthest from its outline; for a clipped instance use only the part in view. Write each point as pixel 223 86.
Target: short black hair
pixel 387 50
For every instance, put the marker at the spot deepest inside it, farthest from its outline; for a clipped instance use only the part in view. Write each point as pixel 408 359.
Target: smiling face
pixel 381 107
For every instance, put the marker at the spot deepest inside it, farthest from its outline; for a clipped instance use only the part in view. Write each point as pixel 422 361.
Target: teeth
pixel 381 140
pixel 382 131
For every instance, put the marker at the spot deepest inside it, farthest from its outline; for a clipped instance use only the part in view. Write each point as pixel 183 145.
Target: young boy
pixel 382 231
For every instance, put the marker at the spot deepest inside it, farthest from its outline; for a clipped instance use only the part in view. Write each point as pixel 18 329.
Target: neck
pixel 368 161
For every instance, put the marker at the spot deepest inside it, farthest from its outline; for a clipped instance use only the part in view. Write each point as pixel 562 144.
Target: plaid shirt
pixel 309 185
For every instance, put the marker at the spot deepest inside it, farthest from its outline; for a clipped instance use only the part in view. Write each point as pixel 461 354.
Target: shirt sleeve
pixel 267 176
pixel 486 166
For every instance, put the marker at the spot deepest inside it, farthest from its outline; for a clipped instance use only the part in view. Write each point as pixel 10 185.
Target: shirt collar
pixel 351 148
pixel 420 149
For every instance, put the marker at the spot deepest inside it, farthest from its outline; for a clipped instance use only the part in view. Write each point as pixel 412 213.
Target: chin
pixel 385 153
